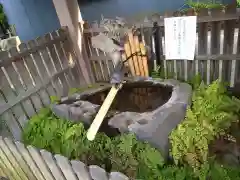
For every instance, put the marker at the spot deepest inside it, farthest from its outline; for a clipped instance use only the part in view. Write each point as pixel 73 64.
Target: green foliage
pixel 238 3
pixel 196 81
pixel 159 73
pixel 3 19
pixel 122 153
pixel 210 4
pixel 81 89
pixel 54 99
pixel 211 114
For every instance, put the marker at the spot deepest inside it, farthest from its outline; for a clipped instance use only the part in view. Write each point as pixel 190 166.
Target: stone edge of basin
pixel 154 126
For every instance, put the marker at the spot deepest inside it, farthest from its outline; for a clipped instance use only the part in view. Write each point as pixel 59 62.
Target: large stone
pixel 158 129
pixel 123 120
pixel 61 110
pixel 76 111
pixel 155 126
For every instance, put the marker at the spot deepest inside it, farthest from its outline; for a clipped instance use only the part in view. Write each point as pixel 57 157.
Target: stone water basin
pixel 149 108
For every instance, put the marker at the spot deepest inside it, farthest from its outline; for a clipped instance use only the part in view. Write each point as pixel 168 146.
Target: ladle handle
pixel 92 131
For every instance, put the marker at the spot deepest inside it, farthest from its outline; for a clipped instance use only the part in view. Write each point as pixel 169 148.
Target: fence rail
pixel 18 162
pixel 217 46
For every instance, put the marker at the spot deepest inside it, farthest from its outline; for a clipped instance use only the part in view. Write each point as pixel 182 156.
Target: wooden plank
pixel 30 63
pixel 70 78
pixel 92 131
pixel 9 166
pixel 228 46
pixel 105 70
pixel 2 172
pixel 215 45
pixel 58 61
pixel 32 103
pixel 209 51
pixel 48 158
pixel 133 53
pixel 38 63
pixel 108 66
pixel 139 58
pixel 130 58
pixel 52 52
pixel 49 58
pixel 19 158
pixel 66 168
pixel 80 170
pixel 117 176
pixel 83 64
pixel 97 173
pixel 12 159
pixel 40 163
pixel 6 170
pixel 234 63
pixel 155 47
pixel 48 66
pixel 35 76
pixel 185 70
pixel 144 60
pixel 12 124
pixel 27 157
pixel 16 87
pixel 7 61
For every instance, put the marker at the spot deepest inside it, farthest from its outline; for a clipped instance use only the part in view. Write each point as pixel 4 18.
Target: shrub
pixel 122 153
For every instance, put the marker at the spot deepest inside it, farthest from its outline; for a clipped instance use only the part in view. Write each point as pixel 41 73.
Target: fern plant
pixel 211 114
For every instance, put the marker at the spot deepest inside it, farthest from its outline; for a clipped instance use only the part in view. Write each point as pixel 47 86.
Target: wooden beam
pixel 69 15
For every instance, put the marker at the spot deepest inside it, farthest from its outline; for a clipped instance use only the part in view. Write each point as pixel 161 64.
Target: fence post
pixel 69 15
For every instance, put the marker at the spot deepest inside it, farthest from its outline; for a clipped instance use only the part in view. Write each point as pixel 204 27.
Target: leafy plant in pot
pixel 196 7
pixel 238 5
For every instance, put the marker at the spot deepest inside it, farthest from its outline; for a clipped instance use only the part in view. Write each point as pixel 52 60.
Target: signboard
pixel 180 37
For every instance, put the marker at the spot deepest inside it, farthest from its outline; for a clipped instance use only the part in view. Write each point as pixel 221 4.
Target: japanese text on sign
pixel 180 37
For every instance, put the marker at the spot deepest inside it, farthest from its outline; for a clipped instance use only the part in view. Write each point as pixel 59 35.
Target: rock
pixel 89 107
pixel 61 110
pixel 78 103
pixel 182 94
pixel 157 130
pixel 75 113
pixel 87 118
pixel 171 82
pixel 123 120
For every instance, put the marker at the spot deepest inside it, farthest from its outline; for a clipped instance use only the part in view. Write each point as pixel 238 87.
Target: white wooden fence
pixel 217 47
pixel 32 73
pixel 18 162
